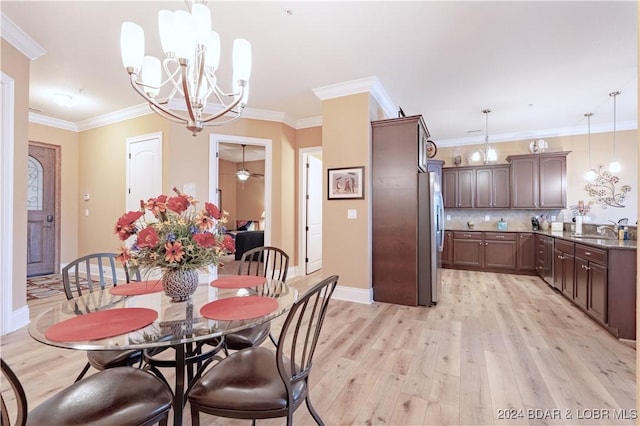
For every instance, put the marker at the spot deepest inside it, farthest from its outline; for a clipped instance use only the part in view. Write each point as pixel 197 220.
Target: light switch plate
pixel 448 217
pixel 352 214
pixel 487 218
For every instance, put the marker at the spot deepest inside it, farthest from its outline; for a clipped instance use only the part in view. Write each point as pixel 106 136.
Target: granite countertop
pixel 605 243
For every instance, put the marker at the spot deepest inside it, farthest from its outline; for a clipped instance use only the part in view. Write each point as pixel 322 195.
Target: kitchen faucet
pixel 600 229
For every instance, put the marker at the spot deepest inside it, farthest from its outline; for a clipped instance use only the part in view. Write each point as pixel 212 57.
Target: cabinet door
pixel 500 187
pixel 466 187
pixel 468 252
pixel 597 300
pixel 447 249
pixel 581 282
pixel 524 183
pixel 526 251
pixel 552 182
pixel 450 188
pixel 484 190
pixel 557 270
pixel 500 254
pixel 568 276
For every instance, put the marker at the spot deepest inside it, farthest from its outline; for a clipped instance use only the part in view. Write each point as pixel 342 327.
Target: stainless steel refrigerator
pixel 430 238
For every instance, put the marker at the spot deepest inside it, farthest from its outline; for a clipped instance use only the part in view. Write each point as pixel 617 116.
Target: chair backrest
pixel 18 394
pixel 93 271
pixel 300 333
pixel 266 261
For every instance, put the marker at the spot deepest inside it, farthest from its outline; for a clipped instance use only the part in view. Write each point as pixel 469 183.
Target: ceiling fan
pixel 243 174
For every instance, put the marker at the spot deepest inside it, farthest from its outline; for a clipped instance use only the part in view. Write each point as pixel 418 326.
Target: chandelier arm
pixel 185 87
pixel 228 108
pixel 172 76
pixel 167 113
pixel 220 123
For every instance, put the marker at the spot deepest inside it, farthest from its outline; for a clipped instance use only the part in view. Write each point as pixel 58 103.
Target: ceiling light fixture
pixel 614 167
pixel 489 154
pixel 591 173
pixel 243 174
pixel 192 55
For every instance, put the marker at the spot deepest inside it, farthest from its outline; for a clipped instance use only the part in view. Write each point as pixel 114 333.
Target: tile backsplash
pixel 517 220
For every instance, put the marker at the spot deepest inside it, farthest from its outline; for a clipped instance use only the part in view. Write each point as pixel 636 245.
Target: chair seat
pixel 126 396
pixel 102 360
pixel 251 371
pixel 248 337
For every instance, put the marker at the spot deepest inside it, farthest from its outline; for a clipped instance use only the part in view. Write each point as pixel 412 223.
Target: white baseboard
pixel 19 319
pixel 352 294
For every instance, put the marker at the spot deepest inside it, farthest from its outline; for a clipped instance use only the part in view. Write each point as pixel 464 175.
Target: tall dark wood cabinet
pixel 397 157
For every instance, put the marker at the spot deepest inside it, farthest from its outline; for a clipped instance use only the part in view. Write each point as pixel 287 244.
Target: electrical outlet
pixel 448 217
pixel 487 218
pixel 553 218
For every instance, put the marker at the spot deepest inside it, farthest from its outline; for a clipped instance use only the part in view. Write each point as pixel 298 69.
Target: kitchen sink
pixel 593 236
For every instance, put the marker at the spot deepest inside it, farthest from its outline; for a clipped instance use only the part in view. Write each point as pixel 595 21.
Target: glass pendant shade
pixel 132 45
pixel 615 167
pixel 241 59
pixel 151 76
pixel 243 174
pixel 492 155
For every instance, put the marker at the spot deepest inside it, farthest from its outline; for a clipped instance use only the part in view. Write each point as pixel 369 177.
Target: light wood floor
pixel 495 347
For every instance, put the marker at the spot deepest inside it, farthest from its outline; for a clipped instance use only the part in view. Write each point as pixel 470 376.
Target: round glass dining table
pixel 117 318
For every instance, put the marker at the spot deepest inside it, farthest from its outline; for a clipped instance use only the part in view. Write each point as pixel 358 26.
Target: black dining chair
pixel 95 272
pixel 269 262
pixel 118 396
pixel 259 383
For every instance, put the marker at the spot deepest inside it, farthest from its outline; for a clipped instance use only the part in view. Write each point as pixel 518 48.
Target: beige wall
pixel 346 136
pixel 70 202
pixel 577 166
pixel 16 66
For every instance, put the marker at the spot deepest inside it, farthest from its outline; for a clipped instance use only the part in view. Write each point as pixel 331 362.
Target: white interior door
pixel 144 169
pixel 314 214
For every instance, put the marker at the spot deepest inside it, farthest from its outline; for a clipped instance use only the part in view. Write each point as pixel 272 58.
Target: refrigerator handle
pixel 440 221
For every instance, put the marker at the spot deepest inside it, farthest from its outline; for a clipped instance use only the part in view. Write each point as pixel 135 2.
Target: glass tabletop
pixel 176 322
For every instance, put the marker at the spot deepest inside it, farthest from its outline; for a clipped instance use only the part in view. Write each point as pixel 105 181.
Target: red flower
pixel 204 221
pixel 206 239
pixel 174 252
pixel 157 205
pixel 148 237
pixel 125 226
pixel 212 210
pixel 124 255
pixel 178 204
pixel 228 243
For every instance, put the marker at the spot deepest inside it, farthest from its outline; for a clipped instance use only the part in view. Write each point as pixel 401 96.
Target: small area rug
pixel 46 286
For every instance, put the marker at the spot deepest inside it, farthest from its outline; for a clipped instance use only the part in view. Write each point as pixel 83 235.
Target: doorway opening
pixel 310 219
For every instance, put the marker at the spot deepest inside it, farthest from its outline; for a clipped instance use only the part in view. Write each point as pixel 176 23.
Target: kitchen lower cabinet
pixel 563 268
pixel 468 249
pixel 447 249
pixel 591 281
pixel 526 252
pixel 500 250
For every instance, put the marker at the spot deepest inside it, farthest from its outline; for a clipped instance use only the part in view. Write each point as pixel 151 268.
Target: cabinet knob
pixel 486 244
pixel 587 253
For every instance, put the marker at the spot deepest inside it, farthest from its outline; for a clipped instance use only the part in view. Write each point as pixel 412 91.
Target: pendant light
pixel 490 153
pixel 614 167
pixel 591 173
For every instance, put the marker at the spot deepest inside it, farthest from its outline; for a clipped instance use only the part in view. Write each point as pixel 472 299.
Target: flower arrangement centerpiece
pixel 180 241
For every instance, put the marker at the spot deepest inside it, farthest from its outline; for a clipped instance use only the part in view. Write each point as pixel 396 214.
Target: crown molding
pixel 52 122
pixel 539 134
pixel 363 85
pixel 305 123
pixel 19 39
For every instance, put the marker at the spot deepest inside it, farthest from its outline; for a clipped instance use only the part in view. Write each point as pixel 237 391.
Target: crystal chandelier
pixel 192 55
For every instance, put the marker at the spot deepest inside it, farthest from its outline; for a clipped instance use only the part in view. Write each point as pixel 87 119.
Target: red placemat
pixel 238 281
pixel 139 287
pixel 239 308
pixel 101 324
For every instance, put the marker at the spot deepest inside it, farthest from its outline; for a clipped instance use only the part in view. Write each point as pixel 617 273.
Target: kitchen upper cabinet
pixel 539 181
pixel 458 187
pixel 492 187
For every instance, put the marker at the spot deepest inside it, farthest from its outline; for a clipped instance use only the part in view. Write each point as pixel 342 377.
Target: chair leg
pixel 273 340
pixel 84 371
pixel 195 416
pixel 313 412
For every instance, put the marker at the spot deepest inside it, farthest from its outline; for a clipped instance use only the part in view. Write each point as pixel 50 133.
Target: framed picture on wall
pixel 346 183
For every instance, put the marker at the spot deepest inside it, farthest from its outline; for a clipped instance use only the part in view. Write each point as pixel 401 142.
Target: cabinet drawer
pixel 592 254
pixel 564 246
pixel 459 235
pixel 500 236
